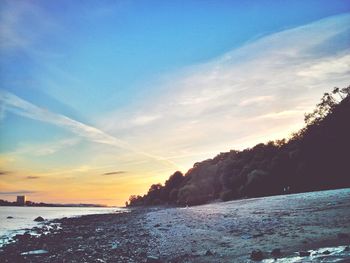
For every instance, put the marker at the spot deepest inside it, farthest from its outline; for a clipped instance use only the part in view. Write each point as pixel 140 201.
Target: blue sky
pixel 152 86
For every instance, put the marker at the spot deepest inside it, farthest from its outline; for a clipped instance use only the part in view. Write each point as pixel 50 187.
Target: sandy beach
pixel 217 232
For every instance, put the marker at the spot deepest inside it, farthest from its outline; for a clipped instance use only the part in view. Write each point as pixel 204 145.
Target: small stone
pixel 304 253
pixel 35 252
pixel 256 255
pixel 39 219
pixel 347 248
pixel 326 252
pixel 156 225
pixel 276 252
pixel 115 245
pixel 246 236
pixel 9 217
pixel 209 253
pixel 153 259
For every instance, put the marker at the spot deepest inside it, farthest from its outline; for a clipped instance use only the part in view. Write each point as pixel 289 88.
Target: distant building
pixel 21 199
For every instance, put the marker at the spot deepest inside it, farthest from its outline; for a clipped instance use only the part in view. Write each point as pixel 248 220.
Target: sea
pixel 23 217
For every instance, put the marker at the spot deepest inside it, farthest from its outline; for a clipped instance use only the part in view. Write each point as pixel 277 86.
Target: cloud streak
pixel 114 173
pixel 260 90
pixel 13 15
pixel 24 108
pixel 20 192
pixel 45 149
pixel 32 177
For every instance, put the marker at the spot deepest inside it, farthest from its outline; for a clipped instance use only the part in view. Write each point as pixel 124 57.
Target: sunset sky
pixel 100 99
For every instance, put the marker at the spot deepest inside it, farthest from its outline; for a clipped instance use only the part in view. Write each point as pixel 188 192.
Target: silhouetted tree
pixel 314 158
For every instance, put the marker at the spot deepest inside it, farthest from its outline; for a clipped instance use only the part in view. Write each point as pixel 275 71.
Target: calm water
pixel 23 217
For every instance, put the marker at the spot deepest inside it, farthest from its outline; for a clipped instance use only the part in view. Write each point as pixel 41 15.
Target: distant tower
pixel 21 199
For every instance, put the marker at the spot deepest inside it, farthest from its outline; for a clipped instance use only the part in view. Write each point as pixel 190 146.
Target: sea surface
pixel 23 217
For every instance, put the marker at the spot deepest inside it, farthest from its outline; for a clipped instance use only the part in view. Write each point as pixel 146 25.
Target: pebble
pixel 153 259
pixel 256 255
pixel 35 252
pixel 276 252
pixel 39 219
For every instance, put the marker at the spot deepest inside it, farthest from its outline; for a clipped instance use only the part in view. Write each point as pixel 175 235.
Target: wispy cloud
pixel 114 173
pixel 142 119
pixel 13 15
pixel 9 20
pixel 279 115
pixel 327 67
pixel 45 149
pixel 24 108
pixel 32 177
pixel 256 100
pixel 4 172
pixel 260 90
pixel 20 192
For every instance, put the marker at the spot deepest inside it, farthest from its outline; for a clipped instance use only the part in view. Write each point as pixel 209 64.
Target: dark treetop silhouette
pixel 315 158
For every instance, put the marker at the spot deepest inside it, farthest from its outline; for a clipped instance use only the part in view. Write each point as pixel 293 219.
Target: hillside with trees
pixel 315 158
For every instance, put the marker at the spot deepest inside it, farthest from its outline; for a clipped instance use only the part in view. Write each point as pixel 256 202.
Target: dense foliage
pixel 315 158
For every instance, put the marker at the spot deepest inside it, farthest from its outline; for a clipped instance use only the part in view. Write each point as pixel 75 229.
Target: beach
pixel 290 225
pixel 20 219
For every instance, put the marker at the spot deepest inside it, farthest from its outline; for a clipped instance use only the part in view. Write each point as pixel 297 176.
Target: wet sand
pixel 218 232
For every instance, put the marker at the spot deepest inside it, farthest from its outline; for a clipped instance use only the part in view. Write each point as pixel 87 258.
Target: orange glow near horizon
pixel 89 185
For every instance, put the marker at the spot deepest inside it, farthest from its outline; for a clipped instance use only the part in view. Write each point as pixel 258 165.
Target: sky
pixel 101 99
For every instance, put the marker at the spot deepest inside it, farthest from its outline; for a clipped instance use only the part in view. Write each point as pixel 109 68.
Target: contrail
pixel 24 108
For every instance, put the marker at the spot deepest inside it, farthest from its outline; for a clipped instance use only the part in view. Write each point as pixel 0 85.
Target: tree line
pixel 317 157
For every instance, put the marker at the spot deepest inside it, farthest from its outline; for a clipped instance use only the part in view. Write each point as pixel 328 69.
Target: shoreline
pixel 75 239
pixel 18 220
pixel 218 232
